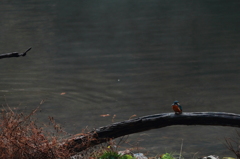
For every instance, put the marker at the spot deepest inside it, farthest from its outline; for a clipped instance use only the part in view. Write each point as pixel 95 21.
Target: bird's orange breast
pixel 176 108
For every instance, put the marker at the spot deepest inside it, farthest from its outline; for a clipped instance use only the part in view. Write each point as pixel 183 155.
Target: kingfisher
pixel 177 107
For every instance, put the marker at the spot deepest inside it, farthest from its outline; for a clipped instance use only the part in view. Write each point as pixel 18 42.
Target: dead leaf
pixel 104 115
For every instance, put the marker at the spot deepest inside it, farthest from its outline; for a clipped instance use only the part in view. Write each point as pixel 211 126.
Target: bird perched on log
pixel 177 107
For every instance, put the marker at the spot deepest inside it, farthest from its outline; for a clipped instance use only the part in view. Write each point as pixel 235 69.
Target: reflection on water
pixel 124 58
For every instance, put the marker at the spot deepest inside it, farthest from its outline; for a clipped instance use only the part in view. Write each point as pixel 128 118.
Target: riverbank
pixel 23 137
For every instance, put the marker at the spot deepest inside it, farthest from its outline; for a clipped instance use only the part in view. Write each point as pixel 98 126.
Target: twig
pixel 181 150
pixel 194 154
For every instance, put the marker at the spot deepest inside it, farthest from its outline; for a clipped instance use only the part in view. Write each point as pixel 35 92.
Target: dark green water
pixel 125 57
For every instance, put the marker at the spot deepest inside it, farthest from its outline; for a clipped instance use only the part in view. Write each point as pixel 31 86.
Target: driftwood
pixel 115 130
pixel 14 54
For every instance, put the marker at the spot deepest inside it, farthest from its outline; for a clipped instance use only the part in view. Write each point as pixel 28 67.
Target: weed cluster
pixel 20 137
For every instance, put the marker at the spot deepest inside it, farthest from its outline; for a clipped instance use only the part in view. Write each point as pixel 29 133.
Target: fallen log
pixel 14 54
pixel 115 130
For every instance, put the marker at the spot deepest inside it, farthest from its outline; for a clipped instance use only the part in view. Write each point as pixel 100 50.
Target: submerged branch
pixel 115 130
pixel 14 54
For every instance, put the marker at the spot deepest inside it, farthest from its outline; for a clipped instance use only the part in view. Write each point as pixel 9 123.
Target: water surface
pixel 125 58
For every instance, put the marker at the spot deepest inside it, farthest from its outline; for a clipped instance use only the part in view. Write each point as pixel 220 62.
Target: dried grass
pixel 234 144
pixel 21 137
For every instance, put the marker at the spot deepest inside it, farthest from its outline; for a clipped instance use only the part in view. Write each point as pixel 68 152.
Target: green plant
pixel 167 156
pixel 110 155
pixel 127 157
pixel 114 155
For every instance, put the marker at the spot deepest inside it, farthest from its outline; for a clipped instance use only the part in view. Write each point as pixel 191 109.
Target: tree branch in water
pixel 14 54
pixel 115 130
